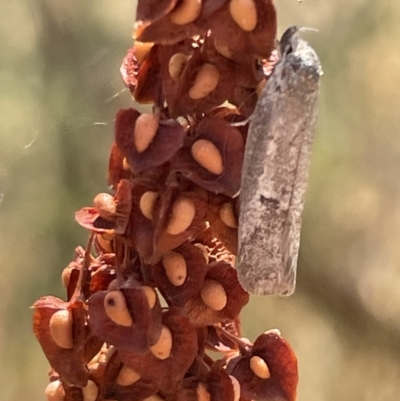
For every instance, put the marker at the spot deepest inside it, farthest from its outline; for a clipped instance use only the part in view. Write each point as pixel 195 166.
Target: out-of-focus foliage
pixel 60 89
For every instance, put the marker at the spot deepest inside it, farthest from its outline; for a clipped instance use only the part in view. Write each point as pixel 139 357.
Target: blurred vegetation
pixel 60 90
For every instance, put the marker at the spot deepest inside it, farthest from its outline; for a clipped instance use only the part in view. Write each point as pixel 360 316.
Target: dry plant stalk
pixel 170 228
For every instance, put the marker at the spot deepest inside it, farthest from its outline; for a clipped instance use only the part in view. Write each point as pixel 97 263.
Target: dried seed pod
pixel 236 387
pixel 60 326
pixel 68 363
pixel 146 127
pixel 146 203
pixel 224 301
pixel 208 156
pixel 162 348
pixel 55 391
pixel 114 212
pixel 127 376
pixel 116 309
pixel 183 212
pixel 259 367
pixel 227 215
pixel 105 205
pixel 204 250
pixel 202 393
pixel 213 294
pixel 151 295
pixel 229 142
pixel 175 268
pixel 90 391
pixel 176 64
pixel 186 12
pixel 244 13
pixel 166 373
pixel 206 81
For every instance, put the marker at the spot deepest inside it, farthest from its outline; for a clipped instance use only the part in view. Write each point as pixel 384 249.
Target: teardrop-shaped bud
pixel 116 309
pixel 60 326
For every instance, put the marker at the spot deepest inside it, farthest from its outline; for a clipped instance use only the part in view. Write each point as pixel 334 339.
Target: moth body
pixel 275 172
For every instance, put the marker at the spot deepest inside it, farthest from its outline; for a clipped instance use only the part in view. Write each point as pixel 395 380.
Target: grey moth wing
pixel 275 171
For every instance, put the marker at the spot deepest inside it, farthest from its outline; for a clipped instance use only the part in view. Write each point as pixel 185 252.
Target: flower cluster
pixel 156 287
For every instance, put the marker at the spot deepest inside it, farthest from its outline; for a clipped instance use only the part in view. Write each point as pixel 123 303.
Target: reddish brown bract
pixel 175 176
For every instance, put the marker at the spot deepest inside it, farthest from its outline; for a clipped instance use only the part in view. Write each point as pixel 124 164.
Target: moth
pixel 275 170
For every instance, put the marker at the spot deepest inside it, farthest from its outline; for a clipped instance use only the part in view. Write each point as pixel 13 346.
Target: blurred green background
pixel 60 89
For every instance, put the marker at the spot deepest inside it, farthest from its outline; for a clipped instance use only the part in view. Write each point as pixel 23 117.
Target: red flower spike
pixel 69 363
pixel 229 142
pixel 146 322
pixel 282 365
pixel 89 217
pixel 167 373
pixel 172 223
pixel 196 266
pixel 167 141
pixel 236 298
